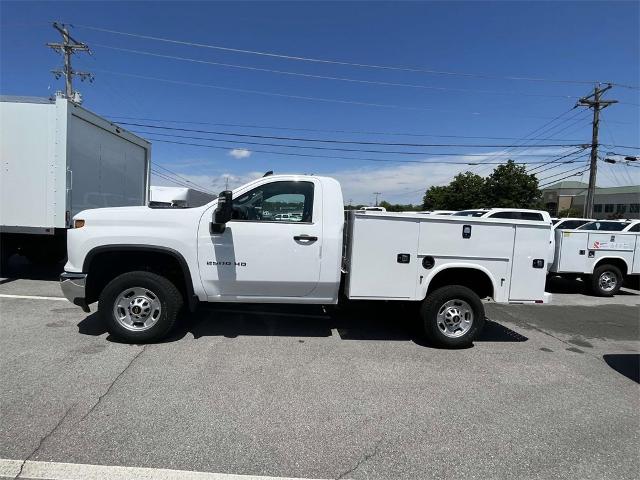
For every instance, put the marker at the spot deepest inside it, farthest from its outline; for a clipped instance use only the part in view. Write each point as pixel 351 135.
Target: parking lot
pixel 548 391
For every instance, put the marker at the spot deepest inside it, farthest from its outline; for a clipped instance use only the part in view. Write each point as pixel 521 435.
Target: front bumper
pixel 73 287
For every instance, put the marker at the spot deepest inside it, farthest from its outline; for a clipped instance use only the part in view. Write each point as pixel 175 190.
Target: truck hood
pixel 137 216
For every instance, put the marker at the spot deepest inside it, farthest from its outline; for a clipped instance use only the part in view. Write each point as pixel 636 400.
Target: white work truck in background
pixel 178 197
pixel 142 263
pixel 602 252
pixel 58 159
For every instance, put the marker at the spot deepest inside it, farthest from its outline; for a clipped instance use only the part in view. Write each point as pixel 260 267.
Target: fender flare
pixel 192 299
pixel 429 278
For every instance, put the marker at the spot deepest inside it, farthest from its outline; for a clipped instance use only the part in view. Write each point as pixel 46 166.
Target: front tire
pixel 452 316
pixel 139 307
pixel 606 280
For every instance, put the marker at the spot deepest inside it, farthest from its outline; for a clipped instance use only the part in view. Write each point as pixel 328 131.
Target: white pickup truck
pixel 142 264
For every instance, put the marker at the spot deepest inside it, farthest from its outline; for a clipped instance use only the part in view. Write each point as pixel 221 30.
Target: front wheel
pixel 139 307
pixel 606 280
pixel 452 316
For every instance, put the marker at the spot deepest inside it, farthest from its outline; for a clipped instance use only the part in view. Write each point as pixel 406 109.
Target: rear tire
pixel 139 307
pixel 452 316
pixel 606 280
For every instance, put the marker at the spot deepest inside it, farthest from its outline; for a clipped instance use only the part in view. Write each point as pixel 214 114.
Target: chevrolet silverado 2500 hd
pixel 285 239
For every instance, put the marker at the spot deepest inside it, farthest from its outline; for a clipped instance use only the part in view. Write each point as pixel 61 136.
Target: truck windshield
pixel 469 213
pixel 604 226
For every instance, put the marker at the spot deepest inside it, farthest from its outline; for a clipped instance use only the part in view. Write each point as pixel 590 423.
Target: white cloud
pixel 239 153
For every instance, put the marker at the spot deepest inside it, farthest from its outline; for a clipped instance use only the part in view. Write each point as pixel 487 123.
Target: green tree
pixel 397 207
pixel 569 212
pixel 510 186
pixel 467 190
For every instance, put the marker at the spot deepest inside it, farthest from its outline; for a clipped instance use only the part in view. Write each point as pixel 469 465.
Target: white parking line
pixel 31 297
pixel 76 471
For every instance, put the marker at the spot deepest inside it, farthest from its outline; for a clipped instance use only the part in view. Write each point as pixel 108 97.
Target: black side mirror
pixel 223 212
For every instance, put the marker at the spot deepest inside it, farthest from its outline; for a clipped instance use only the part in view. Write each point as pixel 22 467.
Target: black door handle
pixel 308 238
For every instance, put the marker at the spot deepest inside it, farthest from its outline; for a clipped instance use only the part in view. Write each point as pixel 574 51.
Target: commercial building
pixel 609 202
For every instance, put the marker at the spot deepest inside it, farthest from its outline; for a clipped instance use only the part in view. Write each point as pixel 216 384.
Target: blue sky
pixel 569 41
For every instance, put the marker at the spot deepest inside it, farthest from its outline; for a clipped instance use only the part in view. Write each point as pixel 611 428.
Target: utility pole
pixel 67 48
pixel 376 194
pixel 594 101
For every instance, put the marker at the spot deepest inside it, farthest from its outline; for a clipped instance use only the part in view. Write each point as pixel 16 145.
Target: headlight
pixel 78 223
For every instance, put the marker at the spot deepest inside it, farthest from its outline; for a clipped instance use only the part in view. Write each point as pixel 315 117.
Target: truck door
pixel 272 246
pixel 527 276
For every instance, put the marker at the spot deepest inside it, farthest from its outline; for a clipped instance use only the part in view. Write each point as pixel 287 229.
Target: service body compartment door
pixel 383 263
pixel 571 251
pixel 529 270
pixel 635 269
pixel 611 245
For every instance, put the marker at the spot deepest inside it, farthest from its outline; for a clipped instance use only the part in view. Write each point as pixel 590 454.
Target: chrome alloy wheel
pixel 455 318
pixel 137 309
pixel 608 281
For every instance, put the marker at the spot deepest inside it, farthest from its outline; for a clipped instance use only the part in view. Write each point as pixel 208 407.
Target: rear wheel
pixel 452 316
pixel 140 307
pixel 606 280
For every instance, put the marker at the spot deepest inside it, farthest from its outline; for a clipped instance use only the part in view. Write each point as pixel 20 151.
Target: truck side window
pixel 635 228
pixel 512 215
pixel 276 202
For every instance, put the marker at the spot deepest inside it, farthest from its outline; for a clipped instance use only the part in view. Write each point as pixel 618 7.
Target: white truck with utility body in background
pixel 142 264
pixel 58 159
pixel 603 252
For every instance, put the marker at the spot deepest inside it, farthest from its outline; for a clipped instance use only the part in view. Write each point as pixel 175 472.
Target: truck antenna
pixel 270 172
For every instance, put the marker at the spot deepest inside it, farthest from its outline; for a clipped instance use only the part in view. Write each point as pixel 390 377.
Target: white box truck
pixel 57 160
pixel 142 264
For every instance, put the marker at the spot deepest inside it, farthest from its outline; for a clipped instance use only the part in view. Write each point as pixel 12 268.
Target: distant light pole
pixel 376 194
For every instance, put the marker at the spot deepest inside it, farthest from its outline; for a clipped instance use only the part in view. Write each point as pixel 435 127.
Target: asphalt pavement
pixel 548 391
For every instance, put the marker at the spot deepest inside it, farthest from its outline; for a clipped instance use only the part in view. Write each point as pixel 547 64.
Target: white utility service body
pixel 587 253
pixel 372 255
pixel 58 159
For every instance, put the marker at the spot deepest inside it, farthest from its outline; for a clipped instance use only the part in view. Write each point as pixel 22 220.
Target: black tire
pixel 169 298
pixel 598 281
pixel 435 301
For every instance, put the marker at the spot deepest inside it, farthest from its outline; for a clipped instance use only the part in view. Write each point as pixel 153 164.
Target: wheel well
pixel 472 278
pixel 616 262
pixel 104 266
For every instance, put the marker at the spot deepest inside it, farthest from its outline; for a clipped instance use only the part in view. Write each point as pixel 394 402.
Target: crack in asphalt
pixel 365 458
pixel 42 440
pixel 108 390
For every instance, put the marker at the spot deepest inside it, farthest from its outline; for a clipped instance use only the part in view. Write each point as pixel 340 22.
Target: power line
pixel 561 173
pixel 182 178
pixel 556 160
pixel 337 157
pixel 329 77
pixel 333 62
pixel 320 130
pixel 339 149
pixel 543 130
pixel 555 164
pixel 280 95
pixel 341 142
pixel 564 178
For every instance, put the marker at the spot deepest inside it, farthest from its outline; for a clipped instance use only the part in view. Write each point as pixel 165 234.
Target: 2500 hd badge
pixel 226 264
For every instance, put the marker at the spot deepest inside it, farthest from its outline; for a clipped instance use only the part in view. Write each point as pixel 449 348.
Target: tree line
pixel 508 186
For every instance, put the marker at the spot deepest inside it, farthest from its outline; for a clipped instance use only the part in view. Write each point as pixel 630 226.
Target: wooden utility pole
pixel 594 101
pixel 376 194
pixel 67 48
